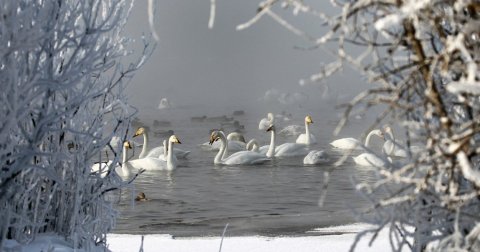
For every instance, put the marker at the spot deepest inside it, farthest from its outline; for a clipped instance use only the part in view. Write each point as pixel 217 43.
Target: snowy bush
pixel 422 59
pixel 62 101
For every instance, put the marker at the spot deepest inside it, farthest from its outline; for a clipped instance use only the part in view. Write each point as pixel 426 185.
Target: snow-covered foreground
pixel 338 238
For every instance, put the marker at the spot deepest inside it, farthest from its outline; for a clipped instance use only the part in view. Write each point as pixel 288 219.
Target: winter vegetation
pixel 62 101
pixel 421 58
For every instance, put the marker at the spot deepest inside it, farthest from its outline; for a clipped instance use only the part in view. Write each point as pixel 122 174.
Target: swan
pixel 286 149
pixel 157 151
pixel 391 147
pixel 316 157
pixel 235 141
pixel 307 138
pixel 156 163
pixel 350 143
pixel 291 130
pixel 252 145
pixel 122 170
pixel 266 122
pixel 238 158
pixel 370 159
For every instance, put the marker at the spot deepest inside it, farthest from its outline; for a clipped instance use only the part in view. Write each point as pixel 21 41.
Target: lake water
pixel 278 198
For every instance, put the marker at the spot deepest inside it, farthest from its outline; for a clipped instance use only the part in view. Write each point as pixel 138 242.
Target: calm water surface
pixel 278 198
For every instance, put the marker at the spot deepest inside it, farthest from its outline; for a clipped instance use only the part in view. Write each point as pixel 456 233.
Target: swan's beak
pixel 139 132
pixel 309 119
pixel 270 128
pixel 212 139
pixel 127 144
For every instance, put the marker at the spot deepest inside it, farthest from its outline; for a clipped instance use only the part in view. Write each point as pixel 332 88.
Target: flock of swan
pixel 233 149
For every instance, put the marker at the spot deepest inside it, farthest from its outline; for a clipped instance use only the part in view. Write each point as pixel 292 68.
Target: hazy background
pixel 223 68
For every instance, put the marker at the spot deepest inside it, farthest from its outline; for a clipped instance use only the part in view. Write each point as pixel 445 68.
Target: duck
pixel 350 143
pixel 307 138
pixel 198 118
pixel 238 158
pixel 286 149
pixel 157 151
pixel 316 157
pixel 156 163
pixel 141 197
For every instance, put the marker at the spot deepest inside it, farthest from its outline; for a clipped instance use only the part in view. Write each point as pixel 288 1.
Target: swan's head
pixel 378 133
pixel 140 131
pixel 308 119
pixel 174 139
pixel 214 136
pixel 387 129
pixel 270 117
pixel 271 128
pixel 127 145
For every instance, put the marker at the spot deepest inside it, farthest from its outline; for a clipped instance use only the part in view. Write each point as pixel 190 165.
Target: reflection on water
pixel 278 198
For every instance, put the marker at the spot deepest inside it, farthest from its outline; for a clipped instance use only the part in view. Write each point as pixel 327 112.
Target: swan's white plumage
pixel 316 157
pixel 238 158
pixel 370 159
pixel 307 137
pixel 156 163
pixel 351 143
pixel 266 122
pixel 286 149
pixel 157 151
pixel 252 145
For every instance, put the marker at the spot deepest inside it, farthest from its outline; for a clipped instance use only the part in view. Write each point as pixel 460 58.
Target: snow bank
pixel 337 239
pixel 331 239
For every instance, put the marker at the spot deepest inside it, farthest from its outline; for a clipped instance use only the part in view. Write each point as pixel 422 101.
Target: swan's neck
pixel 165 154
pixel 170 161
pixel 225 144
pixel 221 151
pixel 143 153
pixel 369 136
pixel 307 133
pixel 271 148
pixel 125 170
pixel 252 145
pixel 391 137
pixel 255 147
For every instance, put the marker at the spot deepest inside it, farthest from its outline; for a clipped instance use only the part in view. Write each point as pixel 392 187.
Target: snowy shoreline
pixel 336 238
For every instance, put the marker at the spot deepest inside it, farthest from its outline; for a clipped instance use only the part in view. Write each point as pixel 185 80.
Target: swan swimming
pixel 286 149
pixel 252 145
pixel 266 122
pixel 316 157
pixel 307 138
pixel 156 163
pixel 351 143
pixel 157 151
pixel 395 149
pixel 122 170
pixel 371 159
pixel 238 158
pixel 235 141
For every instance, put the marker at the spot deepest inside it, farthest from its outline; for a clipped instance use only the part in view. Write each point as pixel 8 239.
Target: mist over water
pixel 215 72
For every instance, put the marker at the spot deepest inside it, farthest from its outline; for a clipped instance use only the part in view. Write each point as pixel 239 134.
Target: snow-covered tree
pixel 61 102
pixel 422 59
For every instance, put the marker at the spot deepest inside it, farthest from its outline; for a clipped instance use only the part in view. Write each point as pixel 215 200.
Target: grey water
pixel 277 198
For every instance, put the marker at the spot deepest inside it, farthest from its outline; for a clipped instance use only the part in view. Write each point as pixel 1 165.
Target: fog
pixel 223 68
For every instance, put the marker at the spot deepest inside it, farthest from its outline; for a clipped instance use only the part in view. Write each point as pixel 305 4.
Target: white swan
pixel 307 138
pixel 252 145
pixel 122 170
pixel 266 122
pixel 350 143
pixel 316 157
pixel 157 151
pixel 371 159
pixel 286 149
pixel 238 158
pixel 291 130
pixel 391 147
pixel 156 163
pixel 234 143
